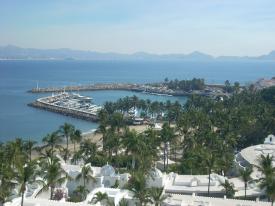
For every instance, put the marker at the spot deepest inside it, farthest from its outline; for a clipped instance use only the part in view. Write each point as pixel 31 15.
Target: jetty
pixel 155 89
pixel 88 87
pixel 73 105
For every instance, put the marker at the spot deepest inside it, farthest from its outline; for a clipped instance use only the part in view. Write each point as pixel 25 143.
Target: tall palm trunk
pixel 30 155
pixel 167 155
pixel 133 162
pixel 52 153
pixel 22 198
pixel 164 157
pixel 208 191
pixel 51 192
pixel 66 155
pixel 245 188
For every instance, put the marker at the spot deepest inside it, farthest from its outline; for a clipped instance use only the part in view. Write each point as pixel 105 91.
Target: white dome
pixel 155 173
pixel 107 170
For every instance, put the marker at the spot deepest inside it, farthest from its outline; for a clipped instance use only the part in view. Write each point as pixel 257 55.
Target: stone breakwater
pixel 89 87
pixel 64 111
pixel 210 90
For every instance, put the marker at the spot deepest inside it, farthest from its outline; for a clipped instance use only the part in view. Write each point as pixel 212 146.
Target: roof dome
pixel 107 170
pixel 155 173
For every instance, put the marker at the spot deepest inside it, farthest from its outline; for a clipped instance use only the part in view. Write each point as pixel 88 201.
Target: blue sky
pixel 217 27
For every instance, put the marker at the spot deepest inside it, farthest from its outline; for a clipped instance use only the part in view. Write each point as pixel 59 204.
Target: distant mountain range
pixel 14 52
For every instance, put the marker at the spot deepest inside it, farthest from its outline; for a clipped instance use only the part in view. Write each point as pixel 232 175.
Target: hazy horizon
pixel 215 27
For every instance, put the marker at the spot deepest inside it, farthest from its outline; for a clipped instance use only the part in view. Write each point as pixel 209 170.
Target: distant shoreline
pixel 15 52
pixel 145 59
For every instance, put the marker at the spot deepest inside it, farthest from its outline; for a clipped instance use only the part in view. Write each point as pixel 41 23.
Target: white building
pixel 251 155
pixel 183 190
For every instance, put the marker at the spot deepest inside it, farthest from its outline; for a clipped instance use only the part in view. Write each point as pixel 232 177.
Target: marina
pixel 70 104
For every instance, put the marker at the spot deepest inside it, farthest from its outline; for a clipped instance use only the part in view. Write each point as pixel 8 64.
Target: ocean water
pixel 16 77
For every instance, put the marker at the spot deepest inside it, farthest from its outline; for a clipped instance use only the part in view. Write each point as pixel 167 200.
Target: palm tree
pixel 82 191
pixel 29 147
pixel 137 185
pixel 100 197
pixel 52 174
pixel 210 162
pixel 229 189
pixel 245 175
pixel 133 144
pixel 25 175
pixel 111 142
pixel 86 176
pixel 157 196
pixel 123 202
pixel 267 181
pixel 52 141
pixel 76 137
pixel 67 130
pixel 16 152
pixel 268 184
pixel 117 121
pixel 6 186
pixel 167 134
pixel 265 165
pixel 87 149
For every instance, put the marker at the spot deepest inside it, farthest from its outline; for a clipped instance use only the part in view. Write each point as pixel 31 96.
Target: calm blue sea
pixel 16 77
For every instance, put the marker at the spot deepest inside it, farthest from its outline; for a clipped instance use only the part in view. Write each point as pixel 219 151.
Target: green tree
pixel 53 142
pixel 26 174
pixel 229 189
pixel 76 137
pixel 267 181
pixel 210 161
pixel 30 146
pixel 81 191
pixel 133 144
pixel 52 174
pixel 117 121
pixel 265 165
pixel 137 185
pixel 87 150
pixel 245 176
pixel 268 184
pixel 6 186
pixel 15 152
pixel 123 202
pixel 157 195
pixel 100 197
pixel 167 134
pixel 86 175
pixel 67 130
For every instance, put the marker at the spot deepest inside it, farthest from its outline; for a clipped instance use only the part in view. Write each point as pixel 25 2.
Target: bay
pixel 16 77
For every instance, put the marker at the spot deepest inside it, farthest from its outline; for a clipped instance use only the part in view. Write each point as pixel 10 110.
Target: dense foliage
pixel 185 85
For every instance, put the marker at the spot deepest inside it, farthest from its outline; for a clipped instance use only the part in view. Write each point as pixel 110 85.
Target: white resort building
pixel 251 155
pixel 183 190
